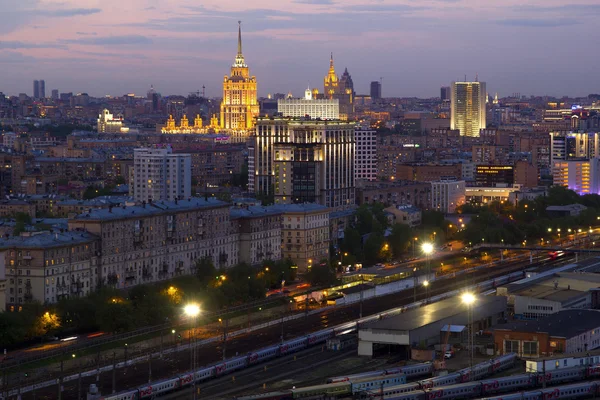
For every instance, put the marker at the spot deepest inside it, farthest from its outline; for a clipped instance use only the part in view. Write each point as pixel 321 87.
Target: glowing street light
pixel 192 310
pixel 427 248
pixel 426 283
pixel 468 298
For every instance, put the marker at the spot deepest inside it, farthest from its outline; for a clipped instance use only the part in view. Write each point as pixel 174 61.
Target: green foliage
pixel 400 239
pixel 372 248
pixel 321 275
pixel 241 179
pixel 205 271
pixel 432 219
pixel 92 192
pixel 119 180
pixel 22 220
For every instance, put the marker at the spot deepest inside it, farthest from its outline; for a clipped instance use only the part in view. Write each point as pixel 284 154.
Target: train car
pixel 450 379
pixel 293 345
pixel 320 336
pixel 393 391
pixel 574 391
pixel 553 255
pixel 158 388
pixel 373 383
pixel 263 355
pixel 205 373
pixel 368 374
pixel 231 365
pixel 507 384
pixel 562 375
pixel 339 389
pixel 129 395
pixel 413 371
pixel 283 395
pixel 461 391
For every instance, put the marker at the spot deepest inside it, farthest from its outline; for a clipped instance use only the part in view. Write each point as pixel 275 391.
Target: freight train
pixel 490 387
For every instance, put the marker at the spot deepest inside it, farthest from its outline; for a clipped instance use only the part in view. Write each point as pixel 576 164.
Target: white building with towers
pixel 309 106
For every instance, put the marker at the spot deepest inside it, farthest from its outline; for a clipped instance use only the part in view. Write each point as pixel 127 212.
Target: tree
pixel 321 275
pixel 205 270
pixel 352 243
pixel 372 249
pixel 119 180
pixel 399 239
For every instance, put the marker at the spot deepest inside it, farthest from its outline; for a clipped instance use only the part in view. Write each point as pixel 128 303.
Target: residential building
pixel 160 175
pixel 375 90
pixel 468 107
pixel 217 165
pixel 446 195
pixel 445 93
pixel 565 146
pixel 526 174
pixel 566 331
pixel 36 89
pixel 405 214
pixel 428 172
pixel 365 159
pixel 417 194
pixel 582 176
pixel 240 105
pixel 259 233
pixel 48 267
pixel 309 107
pixel 42 89
pixel 152 242
pixel 305 233
pixel 303 160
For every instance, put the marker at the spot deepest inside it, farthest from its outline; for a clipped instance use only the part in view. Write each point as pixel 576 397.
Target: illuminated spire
pixel 331 60
pixel 239 58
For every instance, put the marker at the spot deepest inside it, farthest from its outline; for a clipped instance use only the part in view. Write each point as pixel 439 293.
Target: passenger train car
pixel 411 371
pixel 581 390
pixel 489 387
pixel 224 367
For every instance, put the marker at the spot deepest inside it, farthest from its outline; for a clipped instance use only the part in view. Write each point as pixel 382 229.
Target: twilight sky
pixel 115 47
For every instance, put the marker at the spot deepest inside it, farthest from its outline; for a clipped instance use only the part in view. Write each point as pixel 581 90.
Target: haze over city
pixel 109 47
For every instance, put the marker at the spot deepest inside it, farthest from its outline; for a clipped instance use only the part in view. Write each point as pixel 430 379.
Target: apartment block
pixel 160 175
pixel 259 233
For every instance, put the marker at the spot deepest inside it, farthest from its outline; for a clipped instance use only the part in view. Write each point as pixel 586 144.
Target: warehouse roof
pixel 565 323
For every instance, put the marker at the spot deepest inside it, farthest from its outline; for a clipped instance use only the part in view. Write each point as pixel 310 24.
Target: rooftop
pixel 47 239
pixel 299 208
pixel 252 212
pixel 559 287
pixel 422 316
pixel 565 323
pixel 69 159
pixel 150 209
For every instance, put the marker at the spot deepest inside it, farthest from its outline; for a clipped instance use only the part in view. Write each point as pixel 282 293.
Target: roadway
pixel 178 363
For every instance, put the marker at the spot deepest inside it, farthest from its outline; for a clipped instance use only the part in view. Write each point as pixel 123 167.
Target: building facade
pixel 304 160
pixel 107 123
pixel 446 195
pixel 48 267
pixel 240 105
pixel 158 241
pixel 259 233
pixel 375 90
pixel 341 89
pixel 468 107
pixel 309 107
pixel 365 159
pixel 160 175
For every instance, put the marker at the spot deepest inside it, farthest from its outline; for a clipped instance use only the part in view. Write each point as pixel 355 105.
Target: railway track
pixel 161 368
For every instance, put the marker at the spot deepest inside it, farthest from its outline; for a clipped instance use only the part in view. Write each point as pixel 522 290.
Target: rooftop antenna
pixel 203 91
pixel 465 77
pixel 476 76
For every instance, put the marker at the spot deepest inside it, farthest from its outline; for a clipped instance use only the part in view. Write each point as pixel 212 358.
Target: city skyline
pixel 95 47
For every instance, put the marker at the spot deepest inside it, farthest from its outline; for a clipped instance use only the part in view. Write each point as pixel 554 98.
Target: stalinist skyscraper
pixel 239 106
pixel 341 89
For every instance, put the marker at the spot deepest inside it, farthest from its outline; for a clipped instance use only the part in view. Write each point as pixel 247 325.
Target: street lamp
pixel 427 249
pixel 414 246
pixel 192 310
pixel 469 299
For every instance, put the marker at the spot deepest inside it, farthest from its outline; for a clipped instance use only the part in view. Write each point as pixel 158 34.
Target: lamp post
pixel 414 246
pixel 192 311
pixel 469 299
pixel 427 249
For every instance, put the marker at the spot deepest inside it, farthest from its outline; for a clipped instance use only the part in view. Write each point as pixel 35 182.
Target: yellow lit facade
pixel 240 105
pixel 341 89
pixel 582 176
pixel 184 126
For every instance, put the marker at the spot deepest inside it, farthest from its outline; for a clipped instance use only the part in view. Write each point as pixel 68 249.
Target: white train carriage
pixel 464 390
pixel 413 395
pixel 362 375
pixel 263 355
pixel 150 391
pixel 574 391
pixel 374 383
pixel 566 375
pixel 130 395
pixel 204 374
pixel 507 384
pixel 231 365
pixel 293 345
pixel 319 337
pixel 412 371
pixel 503 362
pixel 593 371
pixel 450 379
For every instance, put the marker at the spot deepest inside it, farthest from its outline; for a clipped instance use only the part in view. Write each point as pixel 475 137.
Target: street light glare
pixel 468 298
pixel 191 310
pixel 426 283
pixel 427 248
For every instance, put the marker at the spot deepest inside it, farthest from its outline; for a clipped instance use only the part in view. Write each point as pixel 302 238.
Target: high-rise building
pixel 574 146
pixel 240 105
pixel 445 93
pixel 299 161
pixel 42 89
pixel 446 195
pixel 313 108
pixel 375 90
pixel 341 89
pixel 36 89
pixel 467 107
pixel 158 174
pixel 54 94
pixel 365 159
